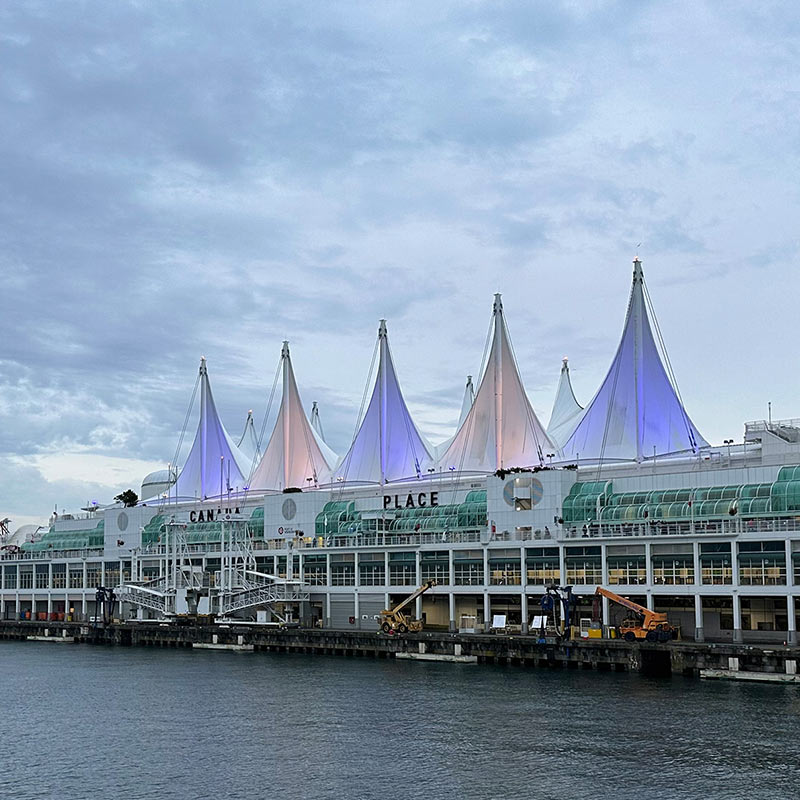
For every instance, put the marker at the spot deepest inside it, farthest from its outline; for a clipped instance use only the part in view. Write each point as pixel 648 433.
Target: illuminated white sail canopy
pixel 466 403
pixel 500 429
pixel 566 409
pixel 248 441
pixel 388 446
pixel 295 456
pixel 316 422
pixel 637 412
pixel 215 465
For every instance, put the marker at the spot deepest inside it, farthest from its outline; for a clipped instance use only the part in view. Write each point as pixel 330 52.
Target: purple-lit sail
pixel 388 446
pixel 566 410
pixel 296 456
pixel 636 413
pixel 215 466
pixel 501 429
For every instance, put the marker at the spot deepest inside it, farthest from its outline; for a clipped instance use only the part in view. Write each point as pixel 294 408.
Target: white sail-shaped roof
pixel 466 403
pixel 501 429
pixel 295 452
pixel 248 441
pixel 388 446
pixel 215 464
pixel 637 411
pixel 316 422
pixel 566 409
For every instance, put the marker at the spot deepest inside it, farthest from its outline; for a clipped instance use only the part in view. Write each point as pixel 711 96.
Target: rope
pixel 670 374
pixel 359 419
pixel 264 422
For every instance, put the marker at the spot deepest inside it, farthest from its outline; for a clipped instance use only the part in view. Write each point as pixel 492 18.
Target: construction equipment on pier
pixel 641 623
pixel 393 620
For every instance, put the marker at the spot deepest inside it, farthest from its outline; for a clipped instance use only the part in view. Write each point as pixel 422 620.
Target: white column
pixel 328 602
pixel 487 611
pixel 698 573
pixel 603 565
pixel 698 619
pixel 357 609
pixel 452 600
pixel 737 617
pixel 648 563
pixel 791 614
pixel 524 607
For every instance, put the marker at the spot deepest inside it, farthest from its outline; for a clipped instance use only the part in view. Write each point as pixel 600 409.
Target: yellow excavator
pixel 642 623
pixel 393 620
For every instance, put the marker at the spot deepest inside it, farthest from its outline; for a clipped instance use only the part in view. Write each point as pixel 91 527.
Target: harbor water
pixel 84 722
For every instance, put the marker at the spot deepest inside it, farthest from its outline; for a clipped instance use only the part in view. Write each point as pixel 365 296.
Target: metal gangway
pixel 237 586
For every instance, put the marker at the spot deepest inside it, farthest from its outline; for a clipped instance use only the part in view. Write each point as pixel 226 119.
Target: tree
pixel 128 498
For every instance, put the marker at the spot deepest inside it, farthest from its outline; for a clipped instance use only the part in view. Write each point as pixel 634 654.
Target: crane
pixel 394 620
pixel 642 623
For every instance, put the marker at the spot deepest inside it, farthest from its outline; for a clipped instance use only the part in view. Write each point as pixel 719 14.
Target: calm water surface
pixel 80 722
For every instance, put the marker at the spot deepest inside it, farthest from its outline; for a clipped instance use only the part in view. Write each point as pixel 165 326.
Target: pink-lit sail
pixel 501 429
pixel 636 413
pixel 296 456
pixel 215 465
pixel 388 446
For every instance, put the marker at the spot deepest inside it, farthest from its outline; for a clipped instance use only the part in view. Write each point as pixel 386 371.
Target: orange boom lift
pixel 641 623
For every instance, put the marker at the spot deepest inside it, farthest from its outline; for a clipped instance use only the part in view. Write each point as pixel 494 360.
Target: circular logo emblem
pixel 122 521
pixel 536 489
pixel 289 509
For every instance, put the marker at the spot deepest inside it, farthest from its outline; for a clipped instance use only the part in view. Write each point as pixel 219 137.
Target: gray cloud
pixel 183 179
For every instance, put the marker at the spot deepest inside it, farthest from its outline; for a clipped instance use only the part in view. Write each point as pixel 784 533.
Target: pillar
pixel 487 611
pixel 524 608
pixel 698 619
pixel 737 618
pixel 790 612
pixel 606 611
pixel 357 609
pixel 328 601
pixel 452 599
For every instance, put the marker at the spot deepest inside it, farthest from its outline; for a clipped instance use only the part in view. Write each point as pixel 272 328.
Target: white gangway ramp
pixel 388 446
pixel 637 412
pixel 296 456
pixel 501 429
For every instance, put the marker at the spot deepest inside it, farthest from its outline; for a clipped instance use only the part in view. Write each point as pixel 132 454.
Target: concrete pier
pixel 686 658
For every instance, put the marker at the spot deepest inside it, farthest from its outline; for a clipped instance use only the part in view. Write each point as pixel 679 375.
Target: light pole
pixel 728 443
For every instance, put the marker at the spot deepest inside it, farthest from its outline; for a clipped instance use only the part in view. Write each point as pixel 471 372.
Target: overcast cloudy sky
pixel 181 179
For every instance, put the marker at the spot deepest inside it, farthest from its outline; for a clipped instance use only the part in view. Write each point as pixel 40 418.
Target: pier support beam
pixel 737 618
pixel 698 619
pixel 487 612
pixel 791 612
pixel 452 604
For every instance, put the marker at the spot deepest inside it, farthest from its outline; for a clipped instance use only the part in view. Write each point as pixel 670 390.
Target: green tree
pixel 128 498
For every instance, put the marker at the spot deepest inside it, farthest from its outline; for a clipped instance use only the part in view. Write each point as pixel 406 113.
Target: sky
pixel 187 179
